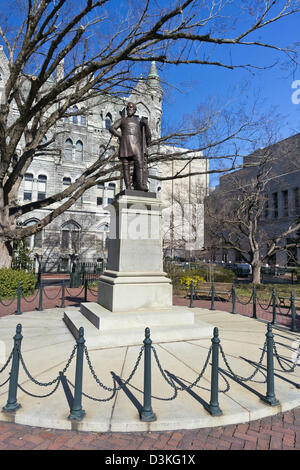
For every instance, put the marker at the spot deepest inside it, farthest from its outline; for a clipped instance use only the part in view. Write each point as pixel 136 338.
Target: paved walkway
pixel 280 431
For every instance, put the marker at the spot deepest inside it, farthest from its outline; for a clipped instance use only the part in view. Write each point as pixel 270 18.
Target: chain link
pixel 239 377
pixel 52 298
pixel 171 382
pixel 46 384
pixel 124 383
pixel 31 300
pixel 94 398
pixel 41 396
pixel 291 369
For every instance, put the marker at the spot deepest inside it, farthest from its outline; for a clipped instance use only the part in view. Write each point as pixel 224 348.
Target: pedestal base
pixel 104 329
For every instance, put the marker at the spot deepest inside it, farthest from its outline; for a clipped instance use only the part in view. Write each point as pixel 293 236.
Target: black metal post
pixel 63 295
pixel 270 398
pixel 146 413
pixel 293 310
pixel 254 302
pixel 85 290
pixel 233 293
pixel 12 403
pixel 41 297
pixel 98 294
pixel 274 305
pixel 18 312
pixel 214 408
pixel 212 306
pixel 76 411
pixel 191 295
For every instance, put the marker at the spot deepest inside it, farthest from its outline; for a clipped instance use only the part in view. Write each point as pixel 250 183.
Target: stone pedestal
pixel 134 277
pixel 134 291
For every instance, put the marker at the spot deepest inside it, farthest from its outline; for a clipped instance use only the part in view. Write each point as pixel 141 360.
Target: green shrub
pixel 223 275
pixel 9 279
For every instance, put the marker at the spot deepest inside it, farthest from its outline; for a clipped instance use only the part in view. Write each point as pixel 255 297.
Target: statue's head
pixel 131 108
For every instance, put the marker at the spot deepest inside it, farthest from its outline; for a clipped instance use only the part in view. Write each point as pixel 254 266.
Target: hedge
pixel 9 279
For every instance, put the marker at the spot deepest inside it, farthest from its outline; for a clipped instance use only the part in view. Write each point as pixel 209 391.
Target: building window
pixel 266 206
pixel 79 151
pixel 275 205
pixel 70 237
pixel 285 203
pixel 35 240
pixel 75 117
pixel 296 200
pixel 68 149
pixel 110 192
pixel 108 121
pixel 99 201
pixel 42 187
pixel 28 184
pixel 83 120
pixel 66 181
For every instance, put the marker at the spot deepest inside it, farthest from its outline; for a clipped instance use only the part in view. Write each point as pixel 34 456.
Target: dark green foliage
pixel 9 279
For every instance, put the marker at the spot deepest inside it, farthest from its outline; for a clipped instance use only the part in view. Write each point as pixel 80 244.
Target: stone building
pixel 280 199
pixel 80 233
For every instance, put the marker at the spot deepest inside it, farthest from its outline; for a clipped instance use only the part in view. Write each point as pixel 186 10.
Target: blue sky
pixel 198 84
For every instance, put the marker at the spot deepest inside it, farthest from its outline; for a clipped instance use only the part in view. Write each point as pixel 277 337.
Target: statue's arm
pixel 114 128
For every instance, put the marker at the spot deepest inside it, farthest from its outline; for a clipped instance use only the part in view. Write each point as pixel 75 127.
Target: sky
pixel 188 86
pixel 273 85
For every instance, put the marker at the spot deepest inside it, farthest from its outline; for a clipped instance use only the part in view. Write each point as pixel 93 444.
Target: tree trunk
pixel 5 254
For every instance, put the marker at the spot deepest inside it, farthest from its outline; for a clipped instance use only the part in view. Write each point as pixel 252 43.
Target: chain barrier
pixel 10 303
pixel 170 382
pixel 46 384
pixel 239 377
pixel 261 306
pixel 72 294
pixel 280 311
pixel 93 292
pixel 41 396
pixel 242 302
pixel 52 298
pixel 115 389
pixel 31 300
pixel 98 381
pixel 279 359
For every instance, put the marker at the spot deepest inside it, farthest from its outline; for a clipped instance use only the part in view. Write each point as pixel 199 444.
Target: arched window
pixel 75 118
pixel 79 151
pixel 35 240
pixel 28 185
pixel 111 189
pixel 42 187
pixel 108 121
pixel 68 149
pixel 66 181
pixel 70 237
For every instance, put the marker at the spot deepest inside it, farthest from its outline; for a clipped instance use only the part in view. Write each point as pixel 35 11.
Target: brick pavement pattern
pixel 280 432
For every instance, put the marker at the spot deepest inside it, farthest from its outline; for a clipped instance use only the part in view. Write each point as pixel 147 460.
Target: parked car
pixel 243 269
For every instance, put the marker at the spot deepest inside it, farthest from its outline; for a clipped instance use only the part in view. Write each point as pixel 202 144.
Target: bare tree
pixel 239 216
pixel 102 48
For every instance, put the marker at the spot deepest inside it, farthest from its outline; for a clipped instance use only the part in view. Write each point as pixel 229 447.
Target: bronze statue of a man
pixel 134 134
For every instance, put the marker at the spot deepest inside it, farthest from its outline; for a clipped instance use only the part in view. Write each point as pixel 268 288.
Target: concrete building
pixel 279 166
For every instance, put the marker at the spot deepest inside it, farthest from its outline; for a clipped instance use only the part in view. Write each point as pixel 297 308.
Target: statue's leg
pixel 126 172
pixel 138 176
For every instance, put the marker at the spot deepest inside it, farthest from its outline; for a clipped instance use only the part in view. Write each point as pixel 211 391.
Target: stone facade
pixel 282 197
